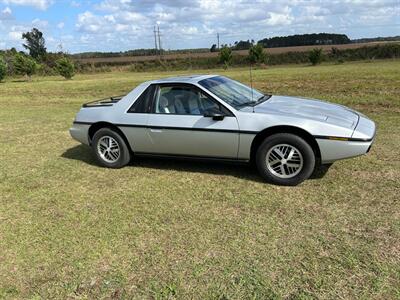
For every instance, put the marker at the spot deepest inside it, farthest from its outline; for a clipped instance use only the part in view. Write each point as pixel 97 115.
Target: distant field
pixel 129 59
pixel 165 229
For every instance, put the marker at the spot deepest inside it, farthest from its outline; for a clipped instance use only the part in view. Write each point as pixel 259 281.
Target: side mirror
pixel 214 115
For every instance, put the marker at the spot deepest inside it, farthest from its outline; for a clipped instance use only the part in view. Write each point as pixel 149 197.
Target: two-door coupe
pixel 214 117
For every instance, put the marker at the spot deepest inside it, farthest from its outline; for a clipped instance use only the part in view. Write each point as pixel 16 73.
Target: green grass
pixel 167 229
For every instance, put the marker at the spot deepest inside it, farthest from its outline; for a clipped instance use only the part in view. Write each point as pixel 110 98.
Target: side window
pixel 184 100
pixel 142 104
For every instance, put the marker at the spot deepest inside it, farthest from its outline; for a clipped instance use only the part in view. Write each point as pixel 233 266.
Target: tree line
pixel 293 40
pixel 305 40
pixel 13 62
pixel 136 52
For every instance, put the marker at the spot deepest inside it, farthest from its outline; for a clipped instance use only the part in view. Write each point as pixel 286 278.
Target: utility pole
pixel 155 39
pixel 159 39
pixel 218 39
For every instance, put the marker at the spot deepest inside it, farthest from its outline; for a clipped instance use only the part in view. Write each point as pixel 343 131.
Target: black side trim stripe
pixel 188 128
pixel 83 123
pixel 175 128
pixel 321 137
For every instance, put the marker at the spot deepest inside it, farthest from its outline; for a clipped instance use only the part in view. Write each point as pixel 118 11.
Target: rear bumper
pixel 80 132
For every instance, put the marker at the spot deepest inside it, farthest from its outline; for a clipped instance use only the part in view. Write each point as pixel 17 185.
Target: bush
pixel 315 56
pixel 225 56
pixel 3 69
pixel 44 70
pixel 65 67
pixel 24 65
pixel 257 54
pixel 335 52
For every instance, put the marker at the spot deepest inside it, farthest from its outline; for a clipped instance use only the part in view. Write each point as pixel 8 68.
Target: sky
pixel 119 25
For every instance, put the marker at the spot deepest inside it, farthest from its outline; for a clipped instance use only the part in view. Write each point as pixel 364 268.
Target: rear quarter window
pixel 143 103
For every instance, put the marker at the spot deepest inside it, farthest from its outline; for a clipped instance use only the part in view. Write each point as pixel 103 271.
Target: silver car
pixel 214 117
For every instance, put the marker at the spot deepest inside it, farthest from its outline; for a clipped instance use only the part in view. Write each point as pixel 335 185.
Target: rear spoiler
pixel 103 102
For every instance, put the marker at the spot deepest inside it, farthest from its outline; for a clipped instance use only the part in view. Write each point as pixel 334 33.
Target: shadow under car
pixel 218 167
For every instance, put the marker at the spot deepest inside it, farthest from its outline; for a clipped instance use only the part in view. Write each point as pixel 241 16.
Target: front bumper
pixel 365 129
pixel 332 150
pixel 358 144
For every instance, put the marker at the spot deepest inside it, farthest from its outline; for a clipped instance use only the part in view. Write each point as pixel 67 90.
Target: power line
pixel 159 39
pixel 155 39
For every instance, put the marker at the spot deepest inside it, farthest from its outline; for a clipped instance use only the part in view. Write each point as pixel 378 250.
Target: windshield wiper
pixel 255 102
pixel 263 98
pixel 248 103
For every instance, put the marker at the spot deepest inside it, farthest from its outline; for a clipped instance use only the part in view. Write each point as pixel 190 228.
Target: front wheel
pixel 110 149
pixel 285 159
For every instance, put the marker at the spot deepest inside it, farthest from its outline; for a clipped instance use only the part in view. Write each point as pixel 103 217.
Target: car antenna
pixel 251 85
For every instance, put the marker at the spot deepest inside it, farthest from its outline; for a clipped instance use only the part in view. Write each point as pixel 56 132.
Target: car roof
pixel 183 79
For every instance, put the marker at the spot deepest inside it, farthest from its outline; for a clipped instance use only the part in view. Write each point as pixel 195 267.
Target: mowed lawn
pixel 190 230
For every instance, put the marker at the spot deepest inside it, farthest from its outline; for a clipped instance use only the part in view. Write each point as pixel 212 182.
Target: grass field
pixel 170 229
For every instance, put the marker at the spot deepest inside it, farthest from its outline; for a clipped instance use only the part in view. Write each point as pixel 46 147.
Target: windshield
pixel 232 92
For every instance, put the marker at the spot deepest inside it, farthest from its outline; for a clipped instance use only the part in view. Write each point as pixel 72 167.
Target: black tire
pixel 124 154
pixel 301 145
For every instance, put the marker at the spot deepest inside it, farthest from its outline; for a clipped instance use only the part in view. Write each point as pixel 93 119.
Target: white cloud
pixel 88 22
pixel 40 23
pixel 15 35
pixel 113 5
pixel 122 21
pixel 6 14
pixel 75 4
pixel 7 10
pixel 131 17
pixel 125 24
pixel 279 19
pixel 191 30
pixel 40 4
pixel 130 23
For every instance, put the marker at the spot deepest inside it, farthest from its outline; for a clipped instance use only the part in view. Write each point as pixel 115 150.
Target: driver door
pixel 186 121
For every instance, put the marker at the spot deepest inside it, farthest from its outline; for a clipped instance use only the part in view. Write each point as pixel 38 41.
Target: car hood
pixel 309 109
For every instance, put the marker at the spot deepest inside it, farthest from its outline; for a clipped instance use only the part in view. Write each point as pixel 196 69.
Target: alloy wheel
pixel 284 161
pixel 108 149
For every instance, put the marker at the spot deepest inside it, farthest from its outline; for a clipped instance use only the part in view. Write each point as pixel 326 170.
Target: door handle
pixel 155 130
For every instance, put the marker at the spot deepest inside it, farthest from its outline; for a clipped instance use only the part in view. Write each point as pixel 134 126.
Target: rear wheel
pixel 110 149
pixel 285 159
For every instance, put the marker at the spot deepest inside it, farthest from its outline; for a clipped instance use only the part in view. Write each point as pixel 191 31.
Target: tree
pixel 315 56
pixel 35 43
pixel 225 56
pixel 213 48
pixel 243 45
pixel 257 54
pixel 3 69
pixel 24 65
pixel 65 67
